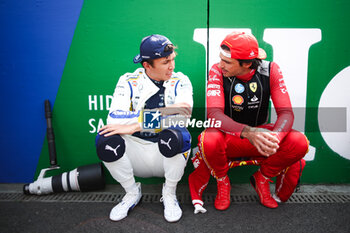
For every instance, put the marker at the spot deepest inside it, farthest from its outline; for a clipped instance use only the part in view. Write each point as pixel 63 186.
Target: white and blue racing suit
pixel 133 93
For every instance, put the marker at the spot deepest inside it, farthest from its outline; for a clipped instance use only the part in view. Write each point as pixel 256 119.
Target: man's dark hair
pixel 168 48
pixel 255 62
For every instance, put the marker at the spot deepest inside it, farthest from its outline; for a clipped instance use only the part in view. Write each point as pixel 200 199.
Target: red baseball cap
pixel 242 46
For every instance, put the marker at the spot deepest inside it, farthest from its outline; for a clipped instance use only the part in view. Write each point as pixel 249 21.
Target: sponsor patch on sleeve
pixel 124 114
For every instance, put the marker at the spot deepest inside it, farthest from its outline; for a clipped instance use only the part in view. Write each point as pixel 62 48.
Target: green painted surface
pixel 108 35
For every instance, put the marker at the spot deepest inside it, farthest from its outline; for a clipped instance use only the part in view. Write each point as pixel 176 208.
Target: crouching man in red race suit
pixel 238 93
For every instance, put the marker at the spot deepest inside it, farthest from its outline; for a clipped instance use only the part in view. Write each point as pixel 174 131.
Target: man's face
pixel 162 68
pixel 230 67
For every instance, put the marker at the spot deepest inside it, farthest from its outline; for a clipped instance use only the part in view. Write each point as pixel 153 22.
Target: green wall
pixel 108 35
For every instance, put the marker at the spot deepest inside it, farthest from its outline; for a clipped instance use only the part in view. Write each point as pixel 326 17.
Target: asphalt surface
pixel 74 216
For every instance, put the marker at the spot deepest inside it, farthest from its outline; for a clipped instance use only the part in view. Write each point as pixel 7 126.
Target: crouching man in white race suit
pixel 128 149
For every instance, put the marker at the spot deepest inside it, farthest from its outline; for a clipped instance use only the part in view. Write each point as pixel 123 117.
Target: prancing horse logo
pixel 253 86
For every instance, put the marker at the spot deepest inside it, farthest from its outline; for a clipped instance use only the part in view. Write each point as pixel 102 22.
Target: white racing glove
pixel 198 207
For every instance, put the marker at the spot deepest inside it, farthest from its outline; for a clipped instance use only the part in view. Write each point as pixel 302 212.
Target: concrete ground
pixel 315 208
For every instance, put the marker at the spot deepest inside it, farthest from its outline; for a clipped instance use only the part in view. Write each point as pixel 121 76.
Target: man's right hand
pixel 265 141
pixel 112 129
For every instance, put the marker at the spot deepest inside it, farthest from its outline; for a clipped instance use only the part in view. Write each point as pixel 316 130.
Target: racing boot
pixel 288 181
pixel 172 210
pixel 261 185
pixel 129 201
pixel 222 200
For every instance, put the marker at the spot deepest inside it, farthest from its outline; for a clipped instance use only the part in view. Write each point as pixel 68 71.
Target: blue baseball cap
pixel 152 47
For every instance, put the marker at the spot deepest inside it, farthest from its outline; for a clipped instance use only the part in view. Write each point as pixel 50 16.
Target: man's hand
pixel 113 129
pixel 179 108
pixel 265 141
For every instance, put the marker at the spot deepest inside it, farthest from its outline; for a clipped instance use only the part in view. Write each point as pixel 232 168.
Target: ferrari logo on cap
pixel 253 86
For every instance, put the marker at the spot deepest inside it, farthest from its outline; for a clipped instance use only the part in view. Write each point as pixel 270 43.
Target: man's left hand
pixel 265 141
pixel 179 108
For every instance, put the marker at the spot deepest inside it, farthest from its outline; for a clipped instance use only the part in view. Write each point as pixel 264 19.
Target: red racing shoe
pixel 222 200
pixel 288 180
pixel 261 185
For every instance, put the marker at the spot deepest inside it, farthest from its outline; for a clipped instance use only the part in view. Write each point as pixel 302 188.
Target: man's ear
pixel 145 65
pixel 246 65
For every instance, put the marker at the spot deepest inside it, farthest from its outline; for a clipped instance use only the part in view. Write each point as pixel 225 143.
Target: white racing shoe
pixel 198 206
pixel 129 201
pixel 276 198
pixel 172 210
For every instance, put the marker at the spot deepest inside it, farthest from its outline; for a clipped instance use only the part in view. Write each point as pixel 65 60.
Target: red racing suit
pixel 238 102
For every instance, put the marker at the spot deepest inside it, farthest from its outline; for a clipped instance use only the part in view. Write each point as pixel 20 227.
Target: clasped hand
pixel 265 141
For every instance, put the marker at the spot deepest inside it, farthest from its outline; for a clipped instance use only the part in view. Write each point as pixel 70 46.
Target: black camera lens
pixel 26 189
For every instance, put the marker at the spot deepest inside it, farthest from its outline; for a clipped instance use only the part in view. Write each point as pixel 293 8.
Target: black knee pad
pixel 173 141
pixel 110 149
